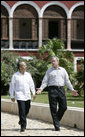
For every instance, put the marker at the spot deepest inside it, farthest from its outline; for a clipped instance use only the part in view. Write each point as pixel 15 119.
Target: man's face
pixel 54 62
pixel 23 67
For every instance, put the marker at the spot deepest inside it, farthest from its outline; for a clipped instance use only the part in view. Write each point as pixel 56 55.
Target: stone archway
pixel 54 3
pixel 54 23
pixel 4 27
pixel 77 25
pixel 25 24
pixel 73 7
pixel 22 3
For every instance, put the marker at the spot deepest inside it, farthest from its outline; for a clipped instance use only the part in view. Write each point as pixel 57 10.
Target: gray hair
pixel 55 58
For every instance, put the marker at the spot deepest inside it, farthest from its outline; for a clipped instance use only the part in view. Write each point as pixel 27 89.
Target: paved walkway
pixel 10 127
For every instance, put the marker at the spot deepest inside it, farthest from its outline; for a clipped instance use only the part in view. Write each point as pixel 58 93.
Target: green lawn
pixel 71 100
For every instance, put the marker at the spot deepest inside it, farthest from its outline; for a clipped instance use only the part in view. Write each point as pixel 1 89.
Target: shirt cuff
pixel 72 89
pixel 41 88
pixel 12 96
pixel 34 93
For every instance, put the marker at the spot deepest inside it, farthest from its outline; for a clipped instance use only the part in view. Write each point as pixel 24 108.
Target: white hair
pixel 55 58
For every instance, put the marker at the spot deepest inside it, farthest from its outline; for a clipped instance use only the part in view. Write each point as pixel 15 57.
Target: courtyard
pixel 10 127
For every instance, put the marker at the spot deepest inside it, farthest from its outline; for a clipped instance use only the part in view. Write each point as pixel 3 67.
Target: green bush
pixel 37 68
pixel 8 68
pixel 55 47
pixel 80 78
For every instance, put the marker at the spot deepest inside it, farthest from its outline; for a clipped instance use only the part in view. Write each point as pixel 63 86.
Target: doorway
pixel 25 28
pixel 53 29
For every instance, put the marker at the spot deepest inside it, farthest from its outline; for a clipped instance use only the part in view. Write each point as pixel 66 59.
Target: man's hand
pixel 34 97
pixel 75 93
pixel 39 90
pixel 13 99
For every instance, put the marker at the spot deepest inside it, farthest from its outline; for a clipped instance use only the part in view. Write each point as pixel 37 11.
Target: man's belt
pixel 56 86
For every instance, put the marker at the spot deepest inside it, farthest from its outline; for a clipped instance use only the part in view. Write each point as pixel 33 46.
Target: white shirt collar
pixel 57 68
pixel 21 73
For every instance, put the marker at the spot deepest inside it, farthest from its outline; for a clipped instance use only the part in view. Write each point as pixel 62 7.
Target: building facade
pixel 26 25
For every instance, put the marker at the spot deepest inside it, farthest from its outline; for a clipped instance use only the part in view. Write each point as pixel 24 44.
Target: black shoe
pixel 57 129
pixel 22 130
pixel 19 123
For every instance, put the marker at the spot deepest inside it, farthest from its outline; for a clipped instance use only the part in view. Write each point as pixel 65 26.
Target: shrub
pixel 8 68
pixel 55 47
pixel 80 78
pixel 37 68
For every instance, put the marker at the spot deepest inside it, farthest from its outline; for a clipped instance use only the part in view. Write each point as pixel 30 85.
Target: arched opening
pixel 77 25
pixel 25 27
pixel 4 28
pixel 54 23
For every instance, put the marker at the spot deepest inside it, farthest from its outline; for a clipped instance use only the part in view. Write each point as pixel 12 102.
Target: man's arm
pixel 32 87
pixel 44 84
pixel 69 85
pixel 12 88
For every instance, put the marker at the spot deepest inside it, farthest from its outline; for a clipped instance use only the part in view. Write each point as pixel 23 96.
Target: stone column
pixel 40 33
pixel 62 33
pixel 68 34
pixel 10 33
pixel 4 23
pixel 75 64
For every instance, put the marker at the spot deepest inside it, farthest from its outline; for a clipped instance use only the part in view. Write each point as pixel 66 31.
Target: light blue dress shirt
pixel 56 77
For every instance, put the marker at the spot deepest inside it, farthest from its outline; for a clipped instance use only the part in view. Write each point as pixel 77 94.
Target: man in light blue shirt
pixel 55 78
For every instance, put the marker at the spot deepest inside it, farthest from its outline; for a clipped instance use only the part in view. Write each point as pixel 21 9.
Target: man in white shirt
pixel 55 78
pixel 21 87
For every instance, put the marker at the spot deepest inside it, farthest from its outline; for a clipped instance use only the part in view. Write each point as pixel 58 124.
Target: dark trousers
pixel 57 96
pixel 23 107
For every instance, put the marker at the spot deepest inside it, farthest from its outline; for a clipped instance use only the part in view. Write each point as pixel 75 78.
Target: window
pixel 25 28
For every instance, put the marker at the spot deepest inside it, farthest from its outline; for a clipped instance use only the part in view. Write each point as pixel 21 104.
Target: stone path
pixel 10 127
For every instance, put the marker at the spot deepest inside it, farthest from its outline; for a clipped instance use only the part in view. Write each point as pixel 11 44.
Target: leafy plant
pixel 8 68
pixel 80 78
pixel 55 47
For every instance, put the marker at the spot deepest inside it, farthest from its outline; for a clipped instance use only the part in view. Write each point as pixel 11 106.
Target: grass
pixel 75 101
pixel 71 100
